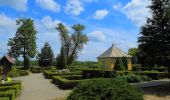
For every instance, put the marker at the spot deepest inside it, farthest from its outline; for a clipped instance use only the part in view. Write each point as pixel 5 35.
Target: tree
pixel 133 51
pixel 154 41
pixel 45 58
pixel 61 60
pixel 24 42
pixel 120 64
pixel 72 43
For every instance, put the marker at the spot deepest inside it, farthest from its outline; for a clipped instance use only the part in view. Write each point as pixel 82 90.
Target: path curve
pixel 36 87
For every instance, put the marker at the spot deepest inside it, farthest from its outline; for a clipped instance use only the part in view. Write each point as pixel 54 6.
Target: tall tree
pixel 154 41
pixel 72 43
pixel 45 58
pixel 24 41
pixel 61 60
pixel 133 51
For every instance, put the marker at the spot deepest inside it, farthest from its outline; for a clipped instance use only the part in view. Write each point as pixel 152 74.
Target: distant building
pixel 109 58
pixel 6 62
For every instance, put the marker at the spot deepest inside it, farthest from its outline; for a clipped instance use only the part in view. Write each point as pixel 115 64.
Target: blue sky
pixel 106 21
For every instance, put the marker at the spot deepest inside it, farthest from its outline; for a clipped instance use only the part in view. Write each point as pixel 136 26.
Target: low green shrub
pixel 23 73
pixel 15 72
pixel 159 69
pixel 133 78
pixel 73 77
pixel 154 75
pixel 64 83
pixel 9 91
pixel 68 82
pixel 49 74
pixel 105 89
pixel 7 95
pixel 98 73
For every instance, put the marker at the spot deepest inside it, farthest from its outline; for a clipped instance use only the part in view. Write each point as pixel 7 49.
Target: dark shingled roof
pixel 10 59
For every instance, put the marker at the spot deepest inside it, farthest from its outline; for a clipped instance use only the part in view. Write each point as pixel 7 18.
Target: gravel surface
pixel 36 87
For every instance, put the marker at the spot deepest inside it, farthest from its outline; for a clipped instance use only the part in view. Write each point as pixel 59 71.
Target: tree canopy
pixel 154 42
pixel 24 41
pixel 72 42
pixel 45 57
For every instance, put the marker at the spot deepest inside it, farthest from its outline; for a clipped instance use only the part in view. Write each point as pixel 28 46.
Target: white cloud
pixel 7 25
pixel 100 14
pixel 97 36
pixel 136 11
pixel 49 5
pixel 117 6
pixel 74 7
pixel 48 23
pixel 7 29
pixel 20 5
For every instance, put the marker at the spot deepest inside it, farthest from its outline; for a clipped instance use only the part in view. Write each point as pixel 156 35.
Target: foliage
pixel 45 58
pixel 154 40
pixel 73 43
pixel 65 83
pixel 133 78
pixel 61 60
pixel 10 91
pixel 119 65
pixel 24 42
pixel 154 75
pixel 105 89
pixel 133 51
pixel 17 72
pixel 49 74
pixel 97 73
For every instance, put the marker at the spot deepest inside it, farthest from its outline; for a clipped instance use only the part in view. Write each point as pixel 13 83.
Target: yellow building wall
pixel 109 63
pixel 129 60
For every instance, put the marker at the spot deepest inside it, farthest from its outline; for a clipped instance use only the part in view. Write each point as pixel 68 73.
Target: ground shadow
pixel 160 91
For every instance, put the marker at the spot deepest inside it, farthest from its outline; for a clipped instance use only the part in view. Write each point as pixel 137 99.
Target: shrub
pixel 120 65
pixel 10 91
pixel 17 72
pixel 133 78
pixel 73 77
pixel 105 89
pixel 49 74
pixel 154 75
pixel 98 73
pixel 65 83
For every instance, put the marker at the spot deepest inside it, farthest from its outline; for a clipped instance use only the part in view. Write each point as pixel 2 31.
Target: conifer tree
pixel 45 57
pixel 154 42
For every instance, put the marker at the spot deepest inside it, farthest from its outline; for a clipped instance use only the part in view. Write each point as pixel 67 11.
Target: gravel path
pixel 36 87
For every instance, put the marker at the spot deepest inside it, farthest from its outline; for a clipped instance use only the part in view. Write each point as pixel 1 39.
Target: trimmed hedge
pixel 154 75
pixel 73 77
pixel 17 72
pixel 65 83
pixel 133 78
pixel 160 69
pixel 7 95
pixel 98 73
pixel 105 89
pixel 10 91
pixel 49 74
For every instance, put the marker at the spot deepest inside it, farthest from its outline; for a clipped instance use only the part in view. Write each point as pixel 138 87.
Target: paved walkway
pixel 36 87
pixel 152 83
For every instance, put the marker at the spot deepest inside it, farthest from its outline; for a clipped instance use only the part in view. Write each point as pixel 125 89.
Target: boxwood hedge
pixel 105 89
